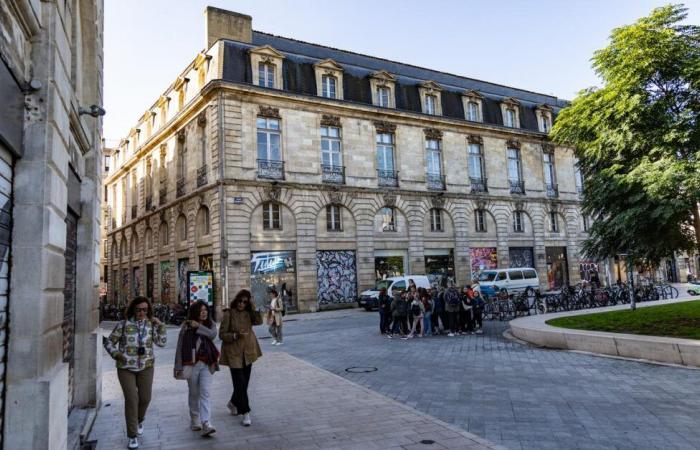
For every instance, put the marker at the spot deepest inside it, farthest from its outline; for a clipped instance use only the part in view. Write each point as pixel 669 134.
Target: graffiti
pixel 165 281
pixel 337 277
pixel 182 281
pixel 521 257
pixel 125 286
pixel 483 258
pixel 206 262
pixel 270 262
pixel 589 271
pixel 136 281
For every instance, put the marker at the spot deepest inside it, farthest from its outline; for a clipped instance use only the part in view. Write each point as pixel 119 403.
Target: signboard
pixel 237 200
pixel 200 286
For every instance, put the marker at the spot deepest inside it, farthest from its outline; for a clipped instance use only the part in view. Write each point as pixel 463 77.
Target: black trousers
pixel 453 319
pixel 239 398
pixel 479 317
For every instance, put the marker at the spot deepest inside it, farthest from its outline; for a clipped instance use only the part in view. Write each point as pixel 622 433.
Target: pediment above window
pixel 431 86
pixel 383 75
pixel 266 52
pixel 328 64
pixel 510 101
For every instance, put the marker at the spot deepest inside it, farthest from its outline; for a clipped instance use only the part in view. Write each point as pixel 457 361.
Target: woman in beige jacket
pixel 240 349
pixel 274 316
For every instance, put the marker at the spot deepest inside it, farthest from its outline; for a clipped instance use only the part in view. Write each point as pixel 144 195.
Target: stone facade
pixel 294 190
pixel 53 51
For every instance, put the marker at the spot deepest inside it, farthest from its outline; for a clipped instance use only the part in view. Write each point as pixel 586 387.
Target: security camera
pixel 94 111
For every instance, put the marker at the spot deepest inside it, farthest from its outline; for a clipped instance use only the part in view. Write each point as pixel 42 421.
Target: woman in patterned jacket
pixel 131 346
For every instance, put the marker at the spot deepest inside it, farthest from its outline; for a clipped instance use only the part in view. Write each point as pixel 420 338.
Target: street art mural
pixel 136 281
pixel 521 257
pixel 483 258
pixel 337 277
pixel 182 281
pixel 206 262
pixel 165 282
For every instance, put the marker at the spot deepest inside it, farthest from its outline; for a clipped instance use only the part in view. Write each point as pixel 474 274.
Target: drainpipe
pixel 222 204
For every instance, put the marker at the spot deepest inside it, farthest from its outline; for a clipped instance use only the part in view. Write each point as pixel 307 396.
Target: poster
pixel 337 276
pixel 589 271
pixel 165 282
pixel 206 262
pixel 483 258
pixel 521 257
pixel 136 281
pixel 557 267
pixel 200 286
pixel 182 281
pixel 276 269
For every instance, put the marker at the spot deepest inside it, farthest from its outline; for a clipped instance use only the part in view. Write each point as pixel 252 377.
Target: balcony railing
pixel 552 190
pixel 517 187
pixel 479 185
pixel 388 177
pixel 333 174
pixel 202 176
pixel 134 211
pixel 163 196
pixel 149 202
pixel 270 169
pixel 435 181
pixel 180 187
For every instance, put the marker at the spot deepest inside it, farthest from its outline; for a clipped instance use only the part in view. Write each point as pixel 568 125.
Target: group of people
pixel 424 312
pixel 197 357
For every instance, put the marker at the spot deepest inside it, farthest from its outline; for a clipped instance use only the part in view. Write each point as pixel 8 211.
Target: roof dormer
pixel 473 103
pixel 329 79
pixel 383 85
pixel 430 98
pixel 266 63
pixel 510 109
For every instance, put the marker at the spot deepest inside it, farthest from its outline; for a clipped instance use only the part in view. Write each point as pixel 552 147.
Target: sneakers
pixel 232 408
pixel 133 443
pixel 194 424
pixel 279 343
pixel 479 331
pixel 246 420
pixel 207 429
pixel 274 342
pixel 390 336
pixel 451 334
pixel 140 429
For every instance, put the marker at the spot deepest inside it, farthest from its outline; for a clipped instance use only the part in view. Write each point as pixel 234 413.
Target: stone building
pixel 50 145
pixel 276 161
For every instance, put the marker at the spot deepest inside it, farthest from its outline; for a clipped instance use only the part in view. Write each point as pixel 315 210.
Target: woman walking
pixel 131 345
pixel 240 349
pixel 196 360
pixel 416 309
pixel 274 316
pixel 427 313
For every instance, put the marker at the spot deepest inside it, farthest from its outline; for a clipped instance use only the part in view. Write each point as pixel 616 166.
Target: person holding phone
pixel 131 345
pixel 240 349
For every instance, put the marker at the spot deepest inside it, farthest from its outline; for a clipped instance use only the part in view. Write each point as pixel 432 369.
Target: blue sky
pixel 543 46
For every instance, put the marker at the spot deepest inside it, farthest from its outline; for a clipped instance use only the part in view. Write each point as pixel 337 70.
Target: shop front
pixel 557 268
pixel 589 271
pixel 521 257
pixel 337 277
pixel 482 258
pixel 440 265
pixel 274 269
pixel 390 263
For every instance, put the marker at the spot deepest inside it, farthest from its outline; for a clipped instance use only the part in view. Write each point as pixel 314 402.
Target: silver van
pixel 515 280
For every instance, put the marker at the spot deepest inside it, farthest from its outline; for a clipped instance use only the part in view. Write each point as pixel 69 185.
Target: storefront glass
pixel 276 269
pixel 389 266
pixel 440 268
pixel 521 257
pixel 557 268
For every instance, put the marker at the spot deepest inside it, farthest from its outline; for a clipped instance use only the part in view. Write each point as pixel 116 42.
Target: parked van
pixel 515 280
pixel 369 299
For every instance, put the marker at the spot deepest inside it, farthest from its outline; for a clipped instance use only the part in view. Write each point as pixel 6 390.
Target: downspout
pixel 222 204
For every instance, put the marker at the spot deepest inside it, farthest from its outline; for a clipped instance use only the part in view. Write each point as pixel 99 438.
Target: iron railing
pixel 180 187
pixel 388 178
pixel 270 169
pixel 479 185
pixel 202 176
pixel 333 174
pixel 552 190
pixel 134 211
pixel 435 181
pixel 149 202
pixel 517 187
pixel 163 195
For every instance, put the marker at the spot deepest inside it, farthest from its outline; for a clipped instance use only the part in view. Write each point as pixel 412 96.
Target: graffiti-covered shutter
pixel 6 173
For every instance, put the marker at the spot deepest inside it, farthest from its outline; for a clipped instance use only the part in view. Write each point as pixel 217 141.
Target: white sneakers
pixel 232 408
pixel 207 429
pixel 133 443
pixel 279 343
pixel 140 429
pixel 246 420
pixel 450 334
pixel 274 342
pixel 194 423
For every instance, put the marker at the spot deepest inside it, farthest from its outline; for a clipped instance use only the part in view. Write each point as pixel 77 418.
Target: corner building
pixel 275 161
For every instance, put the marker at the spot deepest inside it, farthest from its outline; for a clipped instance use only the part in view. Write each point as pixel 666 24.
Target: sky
pixel 543 46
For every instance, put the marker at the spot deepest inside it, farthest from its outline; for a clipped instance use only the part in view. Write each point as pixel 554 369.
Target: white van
pixel 515 280
pixel 369 299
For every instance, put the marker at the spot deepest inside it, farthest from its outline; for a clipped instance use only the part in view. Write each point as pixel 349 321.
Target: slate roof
pixel 299 77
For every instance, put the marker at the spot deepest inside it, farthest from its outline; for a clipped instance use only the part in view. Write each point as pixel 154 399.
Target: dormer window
pixel 329 79
pixel 544 118
pixel 430 104
pixel 472 111
pixel 544 124
pixel 383 96
pixel 472 102
pixel 266 75
pixel 430 98
pixel 382 84
pixel 510 118
pixel 328 86
pixel 510 109
pixel 266 63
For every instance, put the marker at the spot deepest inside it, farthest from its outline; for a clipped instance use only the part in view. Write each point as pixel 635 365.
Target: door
pixel 69 301
pixel 6 173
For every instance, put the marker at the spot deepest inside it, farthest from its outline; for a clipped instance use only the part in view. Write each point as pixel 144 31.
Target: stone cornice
pixel 383 75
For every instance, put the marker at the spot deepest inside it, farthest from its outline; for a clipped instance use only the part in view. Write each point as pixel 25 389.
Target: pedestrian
pixel 384 305
pixel 412 294
pixel 468 308
pixel 452 305
pixel 240 349
pixel 274 316
pixel 416 309
pixel 438 310
pixel 196 360
pixel 478 307
pixel 427 313
pixel 399 311
pixel 131 345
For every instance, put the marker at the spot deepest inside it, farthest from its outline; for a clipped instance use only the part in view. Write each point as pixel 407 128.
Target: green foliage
pixel 637 138
pixel 681 320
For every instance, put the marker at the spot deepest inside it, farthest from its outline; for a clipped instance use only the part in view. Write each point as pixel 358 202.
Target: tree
pixel 637 140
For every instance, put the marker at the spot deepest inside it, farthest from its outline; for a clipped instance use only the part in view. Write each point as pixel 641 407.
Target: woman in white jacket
pixel 274 316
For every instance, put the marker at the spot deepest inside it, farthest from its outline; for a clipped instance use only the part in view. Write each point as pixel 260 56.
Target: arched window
pixel 203 226
pixel 163 234
pixel 123 249
pixel 134 244
pixel 149 239
pixel 181 228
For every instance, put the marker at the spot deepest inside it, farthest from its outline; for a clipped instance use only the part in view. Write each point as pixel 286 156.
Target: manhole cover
pixel 361 369
pixel 427 442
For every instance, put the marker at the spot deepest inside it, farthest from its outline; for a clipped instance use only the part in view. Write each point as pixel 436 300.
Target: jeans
pixel 199 398
pixel 276 332
pixel 239 398
pixel 427 323
pixel 137 396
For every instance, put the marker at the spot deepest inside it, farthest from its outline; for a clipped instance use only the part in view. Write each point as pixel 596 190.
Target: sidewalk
pixel 295 406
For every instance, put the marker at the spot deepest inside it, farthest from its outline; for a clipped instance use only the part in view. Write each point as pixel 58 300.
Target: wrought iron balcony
pixel 517 187
pixel 134 211
pixel 333 174
pixel 163 195
pixel 388 177
pixel 435 181
pixel 180 187
pixel 149 202
pixel 479 185
pixel 202 176
pixel 552 190
pixel 271 169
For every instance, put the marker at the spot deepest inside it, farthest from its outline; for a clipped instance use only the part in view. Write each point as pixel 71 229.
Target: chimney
pixel 222 24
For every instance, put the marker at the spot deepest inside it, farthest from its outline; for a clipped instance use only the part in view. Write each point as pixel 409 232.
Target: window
pixel 388 223
pixel 585 223
pixel 473 111
pixel 518 222
pixel 163 234
pixel 549 173
pixel 203 226
pixel 510 117
pixel 266 75
pixel 181 158
pixel 544 123
pixel 148 182
pixel 553 222
pixel 331 147
pixel 515 275
pixel 328 86
pixel 529 274
pixel 436 220
pixel 476 162
pixel 513 164
pixel 271 216
pixel 433 162
pixel 399 286
pixel 480 220
pixel 106 194
pixel 107 161
pixel 269 139
pixel 202 125
pixel 578 177
pixel 181 227
pixel 385 152
pixel 149 239
pixel 333 218
pixel 501 276
pixel 430 102
pixel 383 96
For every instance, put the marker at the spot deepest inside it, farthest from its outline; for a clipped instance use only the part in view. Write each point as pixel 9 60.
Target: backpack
pixel 452 297
pixel 415 310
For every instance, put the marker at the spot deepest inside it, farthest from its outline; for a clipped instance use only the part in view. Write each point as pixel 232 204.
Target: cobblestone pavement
pixel 514 395
pixel 295 406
